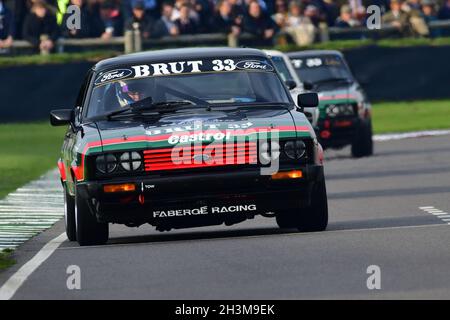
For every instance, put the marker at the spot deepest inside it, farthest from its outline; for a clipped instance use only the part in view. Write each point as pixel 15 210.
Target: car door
pixel 73 133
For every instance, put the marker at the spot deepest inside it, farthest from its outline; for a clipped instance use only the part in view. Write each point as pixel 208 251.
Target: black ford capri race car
pixel 186 138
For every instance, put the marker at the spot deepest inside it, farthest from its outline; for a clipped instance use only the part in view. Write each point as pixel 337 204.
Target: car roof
pixel 307 53
pixel 182 53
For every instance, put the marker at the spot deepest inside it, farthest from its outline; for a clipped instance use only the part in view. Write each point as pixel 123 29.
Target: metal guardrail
pixel 128 42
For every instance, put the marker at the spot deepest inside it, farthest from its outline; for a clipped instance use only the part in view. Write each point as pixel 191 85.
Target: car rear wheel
pixel 363 144
pixel 89 230
pixel 69 215
pixel 309 219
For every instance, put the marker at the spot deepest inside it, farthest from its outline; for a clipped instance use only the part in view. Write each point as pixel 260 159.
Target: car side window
pixel 83 89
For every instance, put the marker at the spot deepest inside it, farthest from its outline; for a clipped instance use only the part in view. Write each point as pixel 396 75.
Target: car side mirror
pixel 307 85
pixel 291 84
pixel 61 117
pixel 307 100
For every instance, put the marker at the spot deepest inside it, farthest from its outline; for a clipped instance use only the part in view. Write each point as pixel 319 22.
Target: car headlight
pixel 106 163
pixel 130 160
pixel 334 110
pixel 270 151
pixel 295 149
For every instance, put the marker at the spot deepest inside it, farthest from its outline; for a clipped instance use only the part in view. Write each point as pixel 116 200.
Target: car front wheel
pixel 315 217
pixel 89 230
pixel 312 218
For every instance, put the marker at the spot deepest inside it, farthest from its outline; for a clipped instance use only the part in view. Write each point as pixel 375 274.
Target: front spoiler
pixel 189 191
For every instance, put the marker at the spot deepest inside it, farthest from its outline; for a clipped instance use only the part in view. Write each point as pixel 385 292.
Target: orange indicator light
pixel 124 187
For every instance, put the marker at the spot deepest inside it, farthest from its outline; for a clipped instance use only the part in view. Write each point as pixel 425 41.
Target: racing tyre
pixel 69 215
pixel 315 217
pixel 287 219
pixel 309 219
pixel 363 144
pixel 89 230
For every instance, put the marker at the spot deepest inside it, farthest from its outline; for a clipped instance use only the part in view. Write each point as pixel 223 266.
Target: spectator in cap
pixel 185 23
pixel 258 24
pixel 40 28
pixel 6 27
pixel 140 20
pixel 165 26
pixel 428 10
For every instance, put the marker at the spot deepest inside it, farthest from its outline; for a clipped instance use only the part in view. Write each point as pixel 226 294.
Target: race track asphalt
pixel 375 219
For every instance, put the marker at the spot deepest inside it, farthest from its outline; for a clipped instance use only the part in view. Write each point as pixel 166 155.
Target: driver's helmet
pixel 129 92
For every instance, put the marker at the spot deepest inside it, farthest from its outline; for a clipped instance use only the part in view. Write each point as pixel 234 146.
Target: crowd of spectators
pixel 41 22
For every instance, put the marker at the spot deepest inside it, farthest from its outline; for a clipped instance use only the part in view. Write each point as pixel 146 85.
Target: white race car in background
pixel 289 76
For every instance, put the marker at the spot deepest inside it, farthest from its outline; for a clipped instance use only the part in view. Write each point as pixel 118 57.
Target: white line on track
pixel 13 284
pixel 406 135
pixel 436 212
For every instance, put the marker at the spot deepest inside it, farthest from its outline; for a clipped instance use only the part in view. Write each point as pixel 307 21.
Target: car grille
pixel 200 156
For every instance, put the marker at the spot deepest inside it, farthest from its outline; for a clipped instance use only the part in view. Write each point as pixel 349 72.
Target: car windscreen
pixel 282 68
pixel 314 69
pixel 198 82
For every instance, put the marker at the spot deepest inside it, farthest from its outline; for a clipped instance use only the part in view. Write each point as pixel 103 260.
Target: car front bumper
pixel 176 196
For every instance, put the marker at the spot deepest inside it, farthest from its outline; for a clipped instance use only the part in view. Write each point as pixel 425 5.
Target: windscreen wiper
pixel 147 106
pixel 235 105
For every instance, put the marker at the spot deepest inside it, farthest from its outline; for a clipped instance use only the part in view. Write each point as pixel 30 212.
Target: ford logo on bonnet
pixel 254 65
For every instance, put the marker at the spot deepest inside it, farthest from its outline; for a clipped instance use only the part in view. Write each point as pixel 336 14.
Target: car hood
pixel 185 126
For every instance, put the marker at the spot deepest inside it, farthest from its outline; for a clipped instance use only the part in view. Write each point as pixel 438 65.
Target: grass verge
pixel 352 44
pixel 411 116
pixel 5 258
pixel 28 150
pixel 58 58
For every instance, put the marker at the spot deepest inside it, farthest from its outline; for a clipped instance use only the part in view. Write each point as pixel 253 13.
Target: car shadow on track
pixel 411 221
